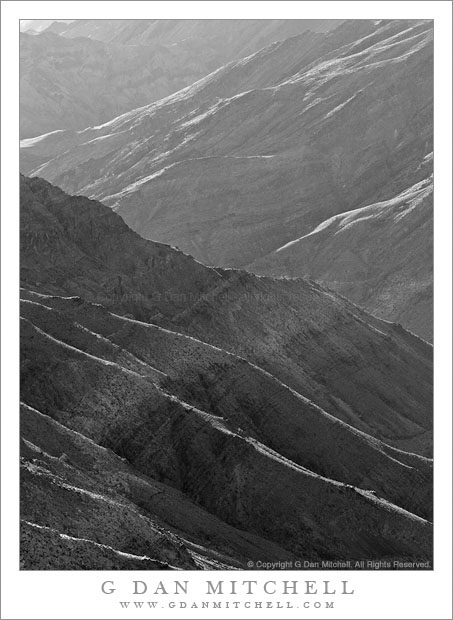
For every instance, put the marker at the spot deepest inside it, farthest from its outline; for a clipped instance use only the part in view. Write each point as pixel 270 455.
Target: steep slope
pixel 98 69
pixel 75 245
pixel 84 507
pixel 147 448
pixel 263 150
pixel 379 256
pixel 365 371
pixel 231 388
pixel 195 452
pixel 234 477
pixel 72 83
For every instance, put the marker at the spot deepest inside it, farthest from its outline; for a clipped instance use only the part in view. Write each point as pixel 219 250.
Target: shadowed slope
pixel 212 461
pixel 212 380
pixel 125 513
pixel 181 416
pixel 353 366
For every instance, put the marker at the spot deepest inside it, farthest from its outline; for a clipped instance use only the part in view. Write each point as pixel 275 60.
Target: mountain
pixel 39 25
pixel 264 150
pixel 84 73
pixel 241 36
pixel 71 83
pixel 180 416
pixel 302 326
pixel 379 256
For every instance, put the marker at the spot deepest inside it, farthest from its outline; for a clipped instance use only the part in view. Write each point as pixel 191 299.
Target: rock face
pixel 86 72
pixel 266 149
pixel 180 416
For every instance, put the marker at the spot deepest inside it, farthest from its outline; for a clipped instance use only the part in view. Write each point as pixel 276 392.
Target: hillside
pixel 241 162
pixel 264 150
pixel 86 72
pixel 72 83
pixel 145 446
pixel 379 256
pixel 76 246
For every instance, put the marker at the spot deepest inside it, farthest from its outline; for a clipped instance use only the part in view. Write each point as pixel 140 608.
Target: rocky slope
pixel 264 150
pixel 86 72
pixel 71 83
pixel 146 446
pixel 305 336
pixel 379 256
pixel 241 162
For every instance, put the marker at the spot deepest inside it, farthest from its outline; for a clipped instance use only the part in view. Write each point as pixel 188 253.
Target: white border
pixel 76 594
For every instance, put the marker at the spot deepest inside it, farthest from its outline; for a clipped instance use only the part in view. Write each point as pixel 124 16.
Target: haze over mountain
pixel 72 83
pixel 167 423
pixel 242 36
pixel 264 150
pixel 226 292
pixel 98 69
pixel 38 25
pixel 379 256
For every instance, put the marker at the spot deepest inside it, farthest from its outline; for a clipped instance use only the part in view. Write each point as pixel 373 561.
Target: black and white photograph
pixel 226 295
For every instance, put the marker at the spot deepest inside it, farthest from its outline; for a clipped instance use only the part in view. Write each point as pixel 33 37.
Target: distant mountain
pixel 39 25
pixel 241 36
pixel 98 69
pixel 72 83
pixel 262 151
pixel 379 256
pixel 176 415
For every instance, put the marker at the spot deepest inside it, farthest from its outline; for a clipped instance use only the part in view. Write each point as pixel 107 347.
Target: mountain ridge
pixel 346 255
pixel 226 294
pixel 261 152
pixel 73 77
pixel 163 444
pixel 155 283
